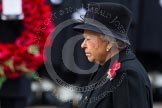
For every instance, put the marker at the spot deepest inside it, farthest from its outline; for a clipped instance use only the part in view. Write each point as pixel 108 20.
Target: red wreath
pixel 26 54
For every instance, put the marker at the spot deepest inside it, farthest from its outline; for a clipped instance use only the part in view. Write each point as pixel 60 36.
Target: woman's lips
pixel 87 54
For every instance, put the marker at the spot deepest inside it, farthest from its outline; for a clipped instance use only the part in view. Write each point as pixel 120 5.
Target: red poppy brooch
pixel 112 71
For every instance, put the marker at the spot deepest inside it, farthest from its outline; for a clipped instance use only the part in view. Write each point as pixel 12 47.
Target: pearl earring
pixel 107 49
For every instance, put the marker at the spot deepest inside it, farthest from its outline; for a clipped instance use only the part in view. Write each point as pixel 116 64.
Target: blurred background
pixel 25 31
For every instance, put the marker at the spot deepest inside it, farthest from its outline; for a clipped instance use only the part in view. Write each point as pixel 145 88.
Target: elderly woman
pixel 121 81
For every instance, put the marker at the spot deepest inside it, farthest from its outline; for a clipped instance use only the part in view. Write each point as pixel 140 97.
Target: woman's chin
pixel 90 59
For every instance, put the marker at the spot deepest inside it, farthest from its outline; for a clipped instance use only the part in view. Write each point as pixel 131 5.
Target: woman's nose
pixel 83 44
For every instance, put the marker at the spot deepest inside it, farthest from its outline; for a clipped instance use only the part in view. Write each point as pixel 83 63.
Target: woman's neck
pixel 110 54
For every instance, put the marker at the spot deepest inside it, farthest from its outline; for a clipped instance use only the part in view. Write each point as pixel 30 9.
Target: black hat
pixel 107 18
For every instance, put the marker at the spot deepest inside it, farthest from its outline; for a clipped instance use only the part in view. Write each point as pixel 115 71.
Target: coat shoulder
pixel 134 70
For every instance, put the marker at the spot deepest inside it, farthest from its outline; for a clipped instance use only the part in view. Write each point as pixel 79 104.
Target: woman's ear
pixel 109 46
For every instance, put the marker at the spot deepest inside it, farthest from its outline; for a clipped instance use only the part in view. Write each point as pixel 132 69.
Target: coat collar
pixel 122 56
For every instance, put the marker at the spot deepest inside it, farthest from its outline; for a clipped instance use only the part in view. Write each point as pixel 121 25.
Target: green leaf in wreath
pixel 33 49
pixel 2 80
pixel 10 64
pixel 1 70
pixel 33 75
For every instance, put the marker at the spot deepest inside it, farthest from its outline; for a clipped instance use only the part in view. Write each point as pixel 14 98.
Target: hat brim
pixel 84 26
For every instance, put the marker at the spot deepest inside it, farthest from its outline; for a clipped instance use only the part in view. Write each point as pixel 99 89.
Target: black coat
pixel 130 88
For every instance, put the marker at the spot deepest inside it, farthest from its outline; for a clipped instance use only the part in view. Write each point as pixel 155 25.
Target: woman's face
pixel 95 47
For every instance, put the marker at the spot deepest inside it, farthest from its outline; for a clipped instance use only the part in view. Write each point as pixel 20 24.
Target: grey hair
pixel 115 42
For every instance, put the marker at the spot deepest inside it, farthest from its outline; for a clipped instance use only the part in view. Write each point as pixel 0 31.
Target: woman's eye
pixel 87 39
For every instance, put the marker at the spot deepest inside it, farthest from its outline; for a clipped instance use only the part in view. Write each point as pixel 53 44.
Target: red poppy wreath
pixel 22 57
